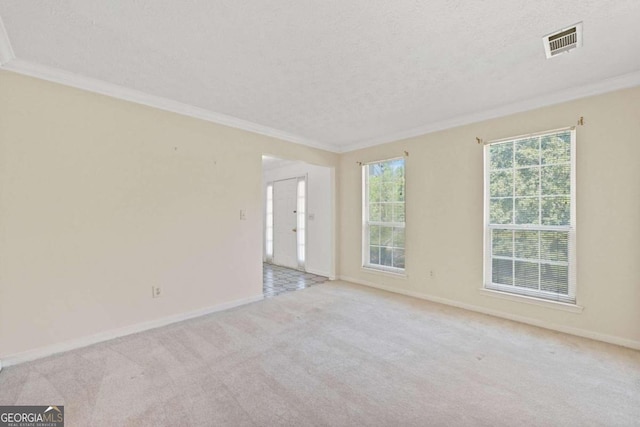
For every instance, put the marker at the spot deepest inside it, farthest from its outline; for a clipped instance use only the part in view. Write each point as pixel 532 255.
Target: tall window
pixel 384 215
pixel 301 221
pixel 269 224
pixel 530 215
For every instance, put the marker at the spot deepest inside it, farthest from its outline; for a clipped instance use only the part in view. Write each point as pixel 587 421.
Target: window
pixel 301 217
pixel 530 215
pixel 269 224
pixel 384 215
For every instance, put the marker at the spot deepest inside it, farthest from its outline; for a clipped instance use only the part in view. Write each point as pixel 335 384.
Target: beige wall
pixel 100 199
pixel 445 216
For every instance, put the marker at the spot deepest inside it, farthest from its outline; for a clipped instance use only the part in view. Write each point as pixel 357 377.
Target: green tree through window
pixel 384 224
pixel 530 224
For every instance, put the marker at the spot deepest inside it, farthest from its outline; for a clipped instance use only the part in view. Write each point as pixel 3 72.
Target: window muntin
pixel 530 215
pixel 384 215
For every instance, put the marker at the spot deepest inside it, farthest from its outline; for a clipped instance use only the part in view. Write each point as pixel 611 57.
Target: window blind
pixel 530 215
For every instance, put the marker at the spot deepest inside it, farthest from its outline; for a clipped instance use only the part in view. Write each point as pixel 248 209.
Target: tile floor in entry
pixel 277 280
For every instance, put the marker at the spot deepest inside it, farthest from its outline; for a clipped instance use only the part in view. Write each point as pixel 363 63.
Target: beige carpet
pixel 343 355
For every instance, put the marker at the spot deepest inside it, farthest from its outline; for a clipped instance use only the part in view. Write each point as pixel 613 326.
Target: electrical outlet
pixel 243 215
pixel 156 292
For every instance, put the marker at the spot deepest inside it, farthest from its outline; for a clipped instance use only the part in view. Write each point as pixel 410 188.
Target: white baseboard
pixel 611 339
pixel 317 272
pixel 41 352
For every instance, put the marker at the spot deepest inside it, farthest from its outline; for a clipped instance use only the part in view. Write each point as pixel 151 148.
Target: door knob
pixel 295 230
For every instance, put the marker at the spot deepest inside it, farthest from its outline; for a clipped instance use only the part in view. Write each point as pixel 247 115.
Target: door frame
pixel 332 270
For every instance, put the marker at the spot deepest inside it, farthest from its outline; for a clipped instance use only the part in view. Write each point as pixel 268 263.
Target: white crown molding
pixel 609 85
pixel 6 51
pixel 116 91
pixel 38 353
pixel 9 62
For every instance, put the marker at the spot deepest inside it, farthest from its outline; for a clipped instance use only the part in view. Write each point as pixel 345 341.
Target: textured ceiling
pixel 340 74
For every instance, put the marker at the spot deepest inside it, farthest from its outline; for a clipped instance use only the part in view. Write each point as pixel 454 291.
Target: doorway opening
pixel 298 219
pixel 285 222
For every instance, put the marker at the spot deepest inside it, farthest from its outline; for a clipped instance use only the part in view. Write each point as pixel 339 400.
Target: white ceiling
pixel 330 73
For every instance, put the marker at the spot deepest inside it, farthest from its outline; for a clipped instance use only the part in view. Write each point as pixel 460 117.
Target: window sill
pixel 396 274
pixel 556 305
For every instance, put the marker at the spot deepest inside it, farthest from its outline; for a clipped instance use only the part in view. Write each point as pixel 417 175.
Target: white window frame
pixel 301 227
pixel 570 298
pixel 268 237
pixel 366 224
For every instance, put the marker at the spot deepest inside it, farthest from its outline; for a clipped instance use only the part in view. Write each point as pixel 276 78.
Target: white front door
pixel 285 219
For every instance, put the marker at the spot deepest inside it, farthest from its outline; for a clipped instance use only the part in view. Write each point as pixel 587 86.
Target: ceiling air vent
pixel 563 40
